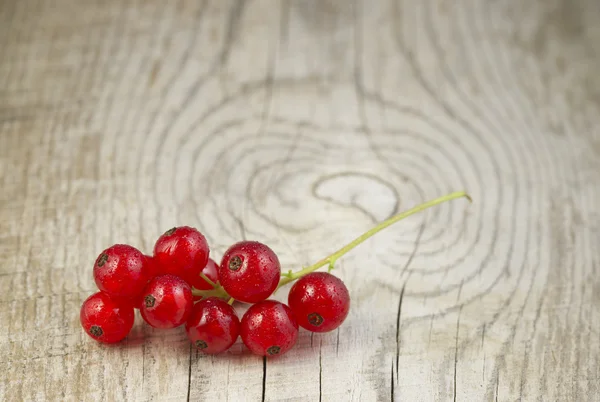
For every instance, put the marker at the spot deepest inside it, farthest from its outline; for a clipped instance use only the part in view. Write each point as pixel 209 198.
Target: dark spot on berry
pixel 235 263
pixel 273 350
pixel 315 319
pixel 102 259
pixel 200 344
pixel 96 331
pixel 149 301
pixel 170 231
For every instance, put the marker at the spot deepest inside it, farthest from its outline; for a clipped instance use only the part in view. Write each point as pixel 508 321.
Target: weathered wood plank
pixel 301 124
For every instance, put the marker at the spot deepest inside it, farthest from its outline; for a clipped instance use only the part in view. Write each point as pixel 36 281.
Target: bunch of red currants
pixel 180 284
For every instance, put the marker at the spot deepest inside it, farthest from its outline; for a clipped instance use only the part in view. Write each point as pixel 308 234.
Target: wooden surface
pixel 301 124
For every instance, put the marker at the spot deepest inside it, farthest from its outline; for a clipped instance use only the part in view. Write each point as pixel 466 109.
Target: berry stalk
pixel 216 291
pixel 207 279
pixel 331 259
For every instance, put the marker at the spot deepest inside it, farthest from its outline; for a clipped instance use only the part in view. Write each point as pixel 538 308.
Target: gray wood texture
pixel 301 124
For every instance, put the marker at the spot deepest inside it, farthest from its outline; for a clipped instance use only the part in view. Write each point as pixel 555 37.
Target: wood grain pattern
pixel 301 123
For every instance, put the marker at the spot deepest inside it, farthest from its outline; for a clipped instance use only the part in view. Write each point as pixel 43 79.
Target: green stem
pixel 218 292
pixel 207 279
pixel 331 259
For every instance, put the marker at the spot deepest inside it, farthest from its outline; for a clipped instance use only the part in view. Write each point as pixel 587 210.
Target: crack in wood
pixel 264 379
pixel 320 375
pixel 189 388
pixel 392 383
pixel 398 315
pixel 456 353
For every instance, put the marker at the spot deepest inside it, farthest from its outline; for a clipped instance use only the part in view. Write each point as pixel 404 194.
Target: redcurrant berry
pixel 122 272
pixel 104 319
pixel 210 270
pixel 249 271
pixel 320 301
pixel 213 326
pixel 269 328
pixel 182 251
pixel 167 302
pixel 153 268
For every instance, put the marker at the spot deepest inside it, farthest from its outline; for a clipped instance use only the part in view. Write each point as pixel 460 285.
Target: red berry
pixel 210 270
pixel 213 326
pixel 269 328
pixel 249 271
pixel 320 301
pixel 167 302
pixel 153 268
pixel 153 272
pixel 182 251
pixel 122 272
pixel 104 319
